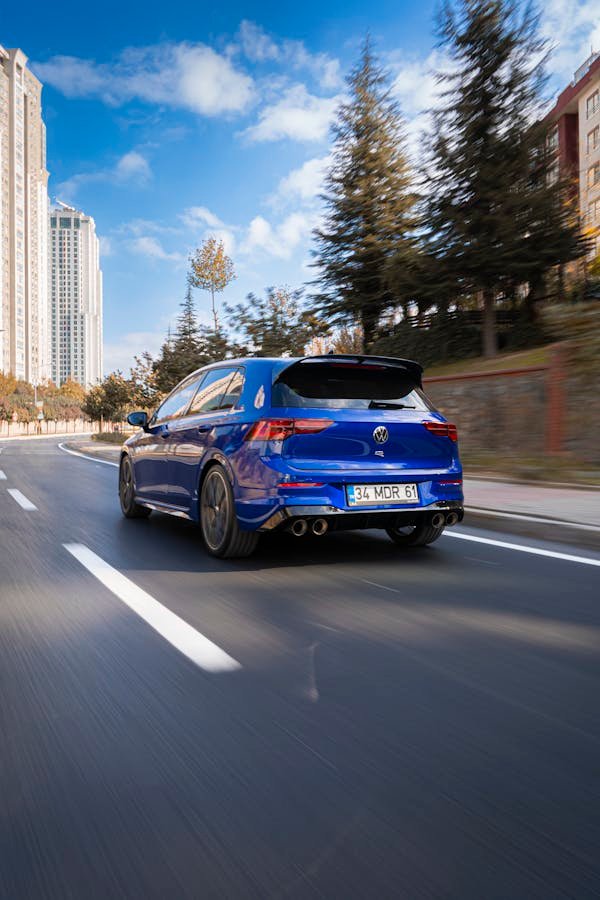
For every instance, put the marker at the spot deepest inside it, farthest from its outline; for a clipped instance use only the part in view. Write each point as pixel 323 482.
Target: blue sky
pixel 167 122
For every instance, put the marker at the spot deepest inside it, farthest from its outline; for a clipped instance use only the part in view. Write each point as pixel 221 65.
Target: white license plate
pixel 372 494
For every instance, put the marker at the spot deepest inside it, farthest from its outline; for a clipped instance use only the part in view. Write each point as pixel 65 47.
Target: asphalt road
pixel 421 724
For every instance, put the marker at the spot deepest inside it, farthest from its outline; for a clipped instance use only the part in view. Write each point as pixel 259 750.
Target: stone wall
pixel 501 413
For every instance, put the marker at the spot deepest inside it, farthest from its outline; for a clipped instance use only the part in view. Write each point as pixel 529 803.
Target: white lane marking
pixel 522 548
pixel 2 476
pixel 21 499
pixel 186 639
pixel 523 517
pixel 384 587
pixel 95 459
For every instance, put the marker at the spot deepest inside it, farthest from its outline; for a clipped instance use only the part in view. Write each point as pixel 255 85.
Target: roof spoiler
pixel 408 365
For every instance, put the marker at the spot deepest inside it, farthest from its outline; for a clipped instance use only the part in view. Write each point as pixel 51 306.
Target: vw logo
pixel 380 435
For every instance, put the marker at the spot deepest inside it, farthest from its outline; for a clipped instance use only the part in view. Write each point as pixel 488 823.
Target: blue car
pixel 250 446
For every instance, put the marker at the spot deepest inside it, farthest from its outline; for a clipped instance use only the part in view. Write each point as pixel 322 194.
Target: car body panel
pixel 169 461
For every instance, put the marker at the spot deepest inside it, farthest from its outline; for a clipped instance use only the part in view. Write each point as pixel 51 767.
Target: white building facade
pixel 24 304
pixel 75 283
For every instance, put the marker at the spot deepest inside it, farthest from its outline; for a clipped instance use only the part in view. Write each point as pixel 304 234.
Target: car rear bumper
pixel 359 518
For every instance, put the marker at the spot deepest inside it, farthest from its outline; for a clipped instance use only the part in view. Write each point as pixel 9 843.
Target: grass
pixel 112 437
pixel 536 356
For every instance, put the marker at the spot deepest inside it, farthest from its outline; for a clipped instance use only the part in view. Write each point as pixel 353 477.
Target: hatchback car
pixel 250 446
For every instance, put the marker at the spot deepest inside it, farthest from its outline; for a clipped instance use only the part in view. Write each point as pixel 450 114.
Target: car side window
pixel 177 403
pixel 233 391
pixel 212 391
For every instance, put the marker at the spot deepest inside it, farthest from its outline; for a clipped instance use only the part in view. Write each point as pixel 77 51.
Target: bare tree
pixel 212 270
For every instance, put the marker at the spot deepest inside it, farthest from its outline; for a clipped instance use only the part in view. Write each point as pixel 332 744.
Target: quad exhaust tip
pixel 319 526
pixel 452 518
pixel 299 527
pixel 438 519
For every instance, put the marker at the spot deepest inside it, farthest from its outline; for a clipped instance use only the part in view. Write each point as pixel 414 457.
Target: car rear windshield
pixel 338 385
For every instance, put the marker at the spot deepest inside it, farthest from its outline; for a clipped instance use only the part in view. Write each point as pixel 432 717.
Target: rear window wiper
pixel 389 404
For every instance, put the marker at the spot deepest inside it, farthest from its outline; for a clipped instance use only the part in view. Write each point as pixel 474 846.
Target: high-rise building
pixel 75 283
pixel 575 135
pixel 24 335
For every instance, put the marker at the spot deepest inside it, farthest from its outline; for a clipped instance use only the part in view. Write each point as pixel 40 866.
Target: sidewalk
pixel 561 503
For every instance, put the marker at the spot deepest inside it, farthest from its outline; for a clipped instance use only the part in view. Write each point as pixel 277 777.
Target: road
pixel 358 721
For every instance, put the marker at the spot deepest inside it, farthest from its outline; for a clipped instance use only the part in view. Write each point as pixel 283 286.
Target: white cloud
pixel 414 83
pixel 196 216
pixel 259 47
pixel 256 45
pixel 279 241
pixel 106 246
pixel 297 115
pixel 573 26
pixel 184 75
pixel 119 354
pixel 304 183
pixel 131 168
pixel 152 248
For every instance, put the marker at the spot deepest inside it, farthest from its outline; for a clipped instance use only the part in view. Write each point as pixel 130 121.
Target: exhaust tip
pixel 299 527
pixel 319 526
pixel 437 520
pixel 452 518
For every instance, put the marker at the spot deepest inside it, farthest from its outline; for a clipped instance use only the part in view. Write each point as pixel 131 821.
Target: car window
pixel 233 391
pixel 341 385
pixel 177 403
pixel 212 391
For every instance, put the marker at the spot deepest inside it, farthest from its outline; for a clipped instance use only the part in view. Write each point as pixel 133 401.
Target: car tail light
pixel 442 429
pixel 450 482
pixel 301 484
pixel 280 429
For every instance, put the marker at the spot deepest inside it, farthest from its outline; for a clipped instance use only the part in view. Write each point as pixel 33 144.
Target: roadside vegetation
pixel 474 252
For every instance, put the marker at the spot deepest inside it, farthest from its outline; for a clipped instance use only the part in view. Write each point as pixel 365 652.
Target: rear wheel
pixel 129 508
pixel 415 535
pixel 221 532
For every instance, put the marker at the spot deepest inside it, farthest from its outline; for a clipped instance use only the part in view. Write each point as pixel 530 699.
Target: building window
pixel 552 175
pixel 594 174
pixel 552 139
pixel 593 139
pixel 53 222
pixel 593 215
pixel 593 103
pixel 65 223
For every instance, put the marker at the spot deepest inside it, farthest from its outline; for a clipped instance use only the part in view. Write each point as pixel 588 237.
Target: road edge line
pixel 95 459
pixel 523 548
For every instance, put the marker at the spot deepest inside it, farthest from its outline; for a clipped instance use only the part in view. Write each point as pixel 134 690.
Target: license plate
pixel 372 494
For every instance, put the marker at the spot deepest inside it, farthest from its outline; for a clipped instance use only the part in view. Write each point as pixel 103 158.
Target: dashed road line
pixel 2 475
pixel 21 499
pixel 180 634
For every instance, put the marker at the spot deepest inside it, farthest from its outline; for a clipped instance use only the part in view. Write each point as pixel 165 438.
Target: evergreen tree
pixel 369 204
pixel 183 352
pixel 276 324
pixel 496 217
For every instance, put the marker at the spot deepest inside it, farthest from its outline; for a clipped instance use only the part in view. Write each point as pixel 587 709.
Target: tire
pixel 129 508
pixel 415 535
pixel 220 528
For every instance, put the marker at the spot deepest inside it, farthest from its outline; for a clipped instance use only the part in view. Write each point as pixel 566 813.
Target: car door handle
pixel 203 429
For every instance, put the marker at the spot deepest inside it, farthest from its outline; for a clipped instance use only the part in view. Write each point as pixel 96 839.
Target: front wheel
pixel 129 508
pixel 221 532
pixel 415 535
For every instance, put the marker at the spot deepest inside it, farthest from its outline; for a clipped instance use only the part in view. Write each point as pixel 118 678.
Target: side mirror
pixel 139 419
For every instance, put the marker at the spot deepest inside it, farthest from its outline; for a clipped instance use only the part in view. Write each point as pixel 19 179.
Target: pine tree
pixel 276 324
pixel 183 352
pixel 496 219
pixel 369 203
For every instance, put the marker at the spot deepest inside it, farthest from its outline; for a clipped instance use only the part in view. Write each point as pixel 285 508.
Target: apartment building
pixel 75 281
pixel 575 135
pixel 24 310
